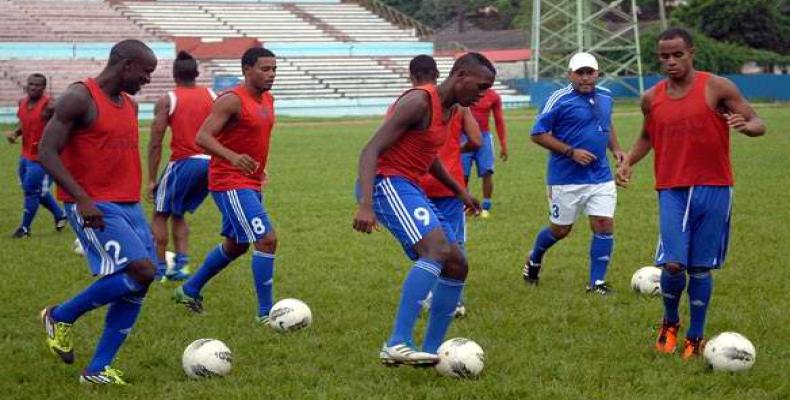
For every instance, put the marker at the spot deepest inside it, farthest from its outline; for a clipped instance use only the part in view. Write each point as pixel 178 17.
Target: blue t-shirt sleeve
pixel 544 122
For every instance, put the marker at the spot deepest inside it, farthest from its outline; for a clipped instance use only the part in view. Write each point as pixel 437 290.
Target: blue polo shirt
pixel 582 121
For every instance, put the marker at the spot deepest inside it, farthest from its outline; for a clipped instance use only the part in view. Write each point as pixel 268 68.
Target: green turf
pixel 550 342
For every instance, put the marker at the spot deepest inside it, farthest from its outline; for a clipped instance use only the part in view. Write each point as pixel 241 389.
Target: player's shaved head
pixel 185 67
pixel 423 69
pixel 130 50
pixel 471 61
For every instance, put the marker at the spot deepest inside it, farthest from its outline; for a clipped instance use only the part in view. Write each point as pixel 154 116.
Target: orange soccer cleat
pixel 667 337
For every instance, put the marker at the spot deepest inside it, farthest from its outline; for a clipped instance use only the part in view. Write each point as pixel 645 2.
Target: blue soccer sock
pixel 121 316
pixel 418 283
pixel 445 297
pixel 181 260
pixel 672 286
pixel 486 204
pixel 601 247
pixel 216 260
pixel 161 269
pixel 31 207
pixel 543 242
pixel 104 291
pixel 700 288
pixel 48 201
pixel 263 276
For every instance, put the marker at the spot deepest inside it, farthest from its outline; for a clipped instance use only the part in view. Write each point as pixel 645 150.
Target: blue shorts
pixel 126 237
pixel 451 209
pixel 182 187
pixel 244 218
pixel 483 157
pixel 33 177
pixel 403 208
pixel 694 226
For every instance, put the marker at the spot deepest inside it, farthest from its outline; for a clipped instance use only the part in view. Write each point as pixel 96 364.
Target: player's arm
pixel 48 111
pixel 640 148
pixel 224 110
pixel 13 135
pixel 70 111
pixel 158 129
pixel 472 131
pixel 740 114
pixel 440 173
pixel 548 141
pixel 409 112
pixel 501 131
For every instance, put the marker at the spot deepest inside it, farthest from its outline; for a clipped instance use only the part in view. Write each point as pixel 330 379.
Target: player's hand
pixel 365 220
pixel 150 190
pixel 736 121
pixel 583 157
pixel 245 163
pixel 503 154
pixel 471 204
pixel 92 217
pixel 623 175
pixel 10 136
pixel 619 157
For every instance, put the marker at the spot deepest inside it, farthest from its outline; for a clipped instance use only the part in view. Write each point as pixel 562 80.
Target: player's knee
pixel 142 271
pixel 602 225
pixel 233 249
pixel 674 268
pixel 560 231
pixel 267 244
pixel 456 266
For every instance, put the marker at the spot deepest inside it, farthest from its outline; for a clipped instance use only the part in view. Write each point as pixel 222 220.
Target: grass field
pixel 549 342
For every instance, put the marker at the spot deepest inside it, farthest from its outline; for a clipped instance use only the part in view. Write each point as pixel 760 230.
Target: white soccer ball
pixel 205 358
pixel 170 258
pixel 730 351
pixel 460 358
pixel 76 247
pixel 647 280
pixel 290 315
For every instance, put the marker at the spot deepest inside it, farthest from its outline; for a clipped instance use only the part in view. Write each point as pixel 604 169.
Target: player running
pixel 90 147
pixel 34 111
pixel 688 117
pixel 237 134
pixel 423 71
pixel 403 149
pixel 484 156
pixel 184 184
pixel 575 124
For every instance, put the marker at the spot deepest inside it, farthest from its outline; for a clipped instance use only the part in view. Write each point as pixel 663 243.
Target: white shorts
pixel 566 201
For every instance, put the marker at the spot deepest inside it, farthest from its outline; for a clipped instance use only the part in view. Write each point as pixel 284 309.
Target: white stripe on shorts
pixel 400 210
pixel 233 198
pixel 161 190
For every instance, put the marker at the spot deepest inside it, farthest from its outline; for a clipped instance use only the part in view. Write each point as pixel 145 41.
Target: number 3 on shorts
pixel 555 211
pixel 258 226
pixel 422 214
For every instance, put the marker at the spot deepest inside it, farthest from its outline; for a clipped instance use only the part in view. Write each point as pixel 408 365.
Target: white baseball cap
pixel 582 60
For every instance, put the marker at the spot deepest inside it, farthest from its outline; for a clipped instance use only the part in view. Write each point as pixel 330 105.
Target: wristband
pixel 569 152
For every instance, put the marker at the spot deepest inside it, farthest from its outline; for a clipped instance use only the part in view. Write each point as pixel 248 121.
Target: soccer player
pixel 34 111
pixel 237 134
pixel 575 125
pixel 184 184
pixel 423 71
pixel 688 117
pixel 403 149
pixel 484 156
pixel 90 147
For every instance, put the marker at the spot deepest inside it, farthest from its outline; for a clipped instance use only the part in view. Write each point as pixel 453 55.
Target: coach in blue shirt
pixel 575 125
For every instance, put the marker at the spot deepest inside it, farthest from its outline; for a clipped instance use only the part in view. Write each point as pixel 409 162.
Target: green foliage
pixel 754 23
pixel 548 342
pixel 711 55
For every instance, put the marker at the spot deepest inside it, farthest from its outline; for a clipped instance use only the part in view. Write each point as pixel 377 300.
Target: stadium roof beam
pixel 563 27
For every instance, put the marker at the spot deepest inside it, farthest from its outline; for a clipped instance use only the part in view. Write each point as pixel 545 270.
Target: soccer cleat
pixel 107 377
pixel 405 354
pixel 667 337
pixel 61 223
pixel 531 271
pixel 194 304
pixel 460 310
pixel 21 232
pixel 262 320
pixel 59 338
pixel 692 348
pixel 177 275
pixel 600 287
pixel 485 214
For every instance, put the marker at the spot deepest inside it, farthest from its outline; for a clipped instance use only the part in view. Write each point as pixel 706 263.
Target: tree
pixel 754 23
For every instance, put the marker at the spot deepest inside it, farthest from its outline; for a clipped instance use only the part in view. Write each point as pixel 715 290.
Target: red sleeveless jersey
pixel 248 134
pixel 691 140
pixel 32 124
pixel 104 157
pixel 189 107
pixel 482 108
pixel 413 153
pixel 450 155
